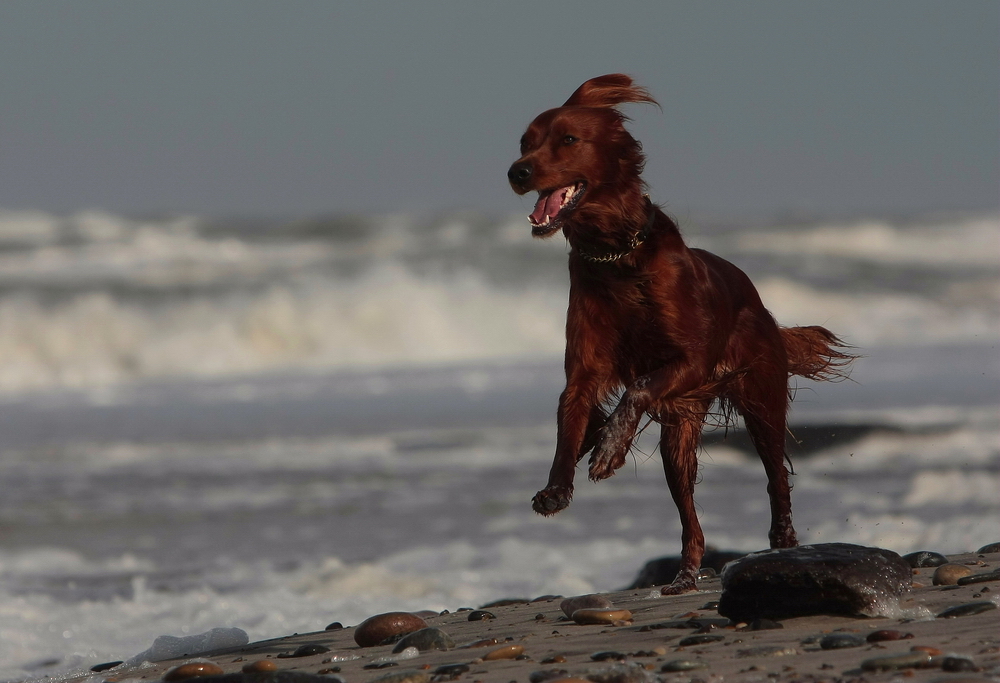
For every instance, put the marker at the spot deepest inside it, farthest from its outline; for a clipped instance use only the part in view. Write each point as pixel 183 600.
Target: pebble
pixel 259 665
pixel 504 602
pixel 592 601
pixel 909 660
pixel 949 574
pixel 192 670
pixel 609 655
pixel 335 626
pixel 505 652
pixel 683 665
pixel 425 639
pixel 373 630
pixel 953 664
pixel 838 641
pixel 307 650
pixel 97 668
pixel 767 651
pixel 967 609
pixel 481 615
pixel 980 578
pixel 990 548
pixel 700 640
pixel 450 672
pixel 925 558
pixel 887 634
pixel 547 675
pixel 613 617
pixel 485 642
pixel 555 659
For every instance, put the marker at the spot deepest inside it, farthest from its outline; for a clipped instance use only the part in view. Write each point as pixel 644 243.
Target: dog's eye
pixel 570 139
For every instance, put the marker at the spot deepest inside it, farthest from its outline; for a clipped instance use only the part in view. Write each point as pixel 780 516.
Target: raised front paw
pixel 551 500
pixel 607 457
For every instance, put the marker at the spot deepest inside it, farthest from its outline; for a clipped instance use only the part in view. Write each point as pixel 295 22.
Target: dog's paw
pixel 684 583
pixel 551 500
pixel 605 461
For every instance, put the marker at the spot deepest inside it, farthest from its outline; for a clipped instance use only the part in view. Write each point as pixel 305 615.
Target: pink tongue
pixel 547 207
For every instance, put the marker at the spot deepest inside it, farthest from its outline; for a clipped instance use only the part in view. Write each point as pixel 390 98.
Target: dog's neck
pixel 621 244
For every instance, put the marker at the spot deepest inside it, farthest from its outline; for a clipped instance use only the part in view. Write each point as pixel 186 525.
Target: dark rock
pixel 590 601
pixel 925 558
pixel 765 625
pixel 609 655
pixel 838 641
pixel 335 626
pixel 380 665
pixel 425 639
pixel 375 630
pixel 954 663
pixel 481 615
pixel 104 667
pixel 700 639
pixel 306 650
pixel 662 570
pixel 980 578
pixel 547 675
pixel 827 578
pixel 966 610
pixel 989 548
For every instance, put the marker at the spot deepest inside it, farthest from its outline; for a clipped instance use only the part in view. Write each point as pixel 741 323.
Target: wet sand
pixel 790 653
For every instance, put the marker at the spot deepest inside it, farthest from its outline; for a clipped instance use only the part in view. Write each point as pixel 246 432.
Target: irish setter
pixel 672 329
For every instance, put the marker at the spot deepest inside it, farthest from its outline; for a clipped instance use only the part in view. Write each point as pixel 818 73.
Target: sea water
pixel 271 426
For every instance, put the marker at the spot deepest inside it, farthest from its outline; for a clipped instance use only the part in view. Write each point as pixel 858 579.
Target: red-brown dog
pixel 675 328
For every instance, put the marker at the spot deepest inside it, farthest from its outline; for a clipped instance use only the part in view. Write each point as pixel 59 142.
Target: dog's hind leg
pixel 762 399
pixel 679 440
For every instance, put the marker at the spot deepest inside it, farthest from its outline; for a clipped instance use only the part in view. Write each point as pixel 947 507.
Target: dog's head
pixel 579 156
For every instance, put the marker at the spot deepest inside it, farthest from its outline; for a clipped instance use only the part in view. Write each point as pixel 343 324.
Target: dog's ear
pixel 608 91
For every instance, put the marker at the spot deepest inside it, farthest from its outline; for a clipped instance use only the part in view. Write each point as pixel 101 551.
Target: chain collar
pixel 637 239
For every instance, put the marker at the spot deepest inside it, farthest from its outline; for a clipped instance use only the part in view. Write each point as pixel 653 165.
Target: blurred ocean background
pixel 274 425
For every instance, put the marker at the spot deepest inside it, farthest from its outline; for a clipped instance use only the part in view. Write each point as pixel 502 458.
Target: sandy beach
pixel 532 641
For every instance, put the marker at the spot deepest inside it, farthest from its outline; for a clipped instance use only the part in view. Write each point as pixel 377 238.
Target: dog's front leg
pixel 579 418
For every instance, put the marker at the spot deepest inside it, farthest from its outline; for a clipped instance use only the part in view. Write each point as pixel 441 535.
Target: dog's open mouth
pixel 552 206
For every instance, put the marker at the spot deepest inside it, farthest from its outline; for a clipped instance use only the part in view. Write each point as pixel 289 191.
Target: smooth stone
pixel 838 641
pixel 980 578
pixel 910 660
pixel 683 665
pixel 663 570
pixel 700 640
pixel 826 578
pixel 555 659
pixel 989 548
pixel 954 664
pixel 425 639
pixel 259 665
pixel 925 558
pixel 592 601
pixel 307 650
pixel 887 634
pixel 481 615
pixel 373 630
pixel 450 672
pixel 612 617
pixel 192 670
pixel 505 652
pixel 609 655
pixel 335 626
pixel 547 675
pixel 967 609
pixel 97 668
pixel 764 625
pixel 949 574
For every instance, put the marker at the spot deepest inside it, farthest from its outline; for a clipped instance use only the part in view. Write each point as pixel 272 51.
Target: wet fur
pixel 670 329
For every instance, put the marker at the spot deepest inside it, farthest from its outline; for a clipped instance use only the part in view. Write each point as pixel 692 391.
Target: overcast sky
pixel 244 107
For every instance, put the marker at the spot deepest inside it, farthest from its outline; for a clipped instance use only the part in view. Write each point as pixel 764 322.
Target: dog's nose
pixel 519 173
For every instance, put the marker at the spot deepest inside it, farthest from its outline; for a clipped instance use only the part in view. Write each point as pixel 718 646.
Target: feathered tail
pixel 816 353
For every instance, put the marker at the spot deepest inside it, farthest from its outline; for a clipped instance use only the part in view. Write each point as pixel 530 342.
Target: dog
pixel 672 330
